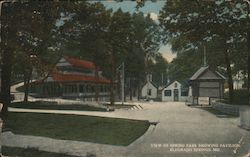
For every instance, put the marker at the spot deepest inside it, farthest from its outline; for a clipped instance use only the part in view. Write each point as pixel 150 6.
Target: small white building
pixel 238 80
pixel 174 92
pixel 149 91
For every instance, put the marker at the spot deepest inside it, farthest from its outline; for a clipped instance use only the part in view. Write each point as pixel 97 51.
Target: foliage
pixel 27 28
pixel 158 69
pixel 111 38
pixel 240 97
pixel 199 23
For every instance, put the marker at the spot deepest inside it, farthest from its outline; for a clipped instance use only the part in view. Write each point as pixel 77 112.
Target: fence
pixel 226 108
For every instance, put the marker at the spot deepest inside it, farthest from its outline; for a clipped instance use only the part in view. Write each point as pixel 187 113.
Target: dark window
pixel 92 89
pixel 167 92
pixel 74 87
pixel 149 92
pixel 184 92
pixel 81 89
pixel 87 88
pixel 101 88
pixel 175 85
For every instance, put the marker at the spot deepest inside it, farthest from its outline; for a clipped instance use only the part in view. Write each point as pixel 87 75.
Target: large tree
pixel 202 21
pixel 26 28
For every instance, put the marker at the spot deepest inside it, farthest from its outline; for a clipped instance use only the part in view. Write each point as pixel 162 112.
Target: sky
pixel 152 8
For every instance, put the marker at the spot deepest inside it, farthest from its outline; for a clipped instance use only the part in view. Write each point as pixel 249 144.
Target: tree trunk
pixel 27 78
pixel 7 55
pixel 112 96
pixel 130 90
pixel 229 75
pixel 138 91
pixel 119 85
pixel 248 66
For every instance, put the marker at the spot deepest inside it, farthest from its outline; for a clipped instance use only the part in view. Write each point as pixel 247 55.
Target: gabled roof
pixel 198 73
pixel 150 83
pixel 202 70
pixel 80 63
pixel 171 83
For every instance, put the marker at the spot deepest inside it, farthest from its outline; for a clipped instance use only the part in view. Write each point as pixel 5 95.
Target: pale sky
pixel 150 7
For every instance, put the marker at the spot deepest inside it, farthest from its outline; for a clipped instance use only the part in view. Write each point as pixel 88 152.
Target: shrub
pixel 240 97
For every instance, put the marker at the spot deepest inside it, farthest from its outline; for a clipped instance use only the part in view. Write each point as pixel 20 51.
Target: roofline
pixel 151 83
pixel 215 72
pixel 207 67
pixel 171 83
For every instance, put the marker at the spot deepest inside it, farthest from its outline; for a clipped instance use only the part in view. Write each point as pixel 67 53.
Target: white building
pixel 174 92
pixel 149 91
pixel 238 80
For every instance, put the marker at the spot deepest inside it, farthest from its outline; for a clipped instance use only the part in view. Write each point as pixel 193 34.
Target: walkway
pixel 180 129
pixel 179 124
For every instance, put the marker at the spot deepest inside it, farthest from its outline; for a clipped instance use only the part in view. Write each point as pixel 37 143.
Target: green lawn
pixel 54 106
pixel 217 112
pixel 29 152
pixel 112 131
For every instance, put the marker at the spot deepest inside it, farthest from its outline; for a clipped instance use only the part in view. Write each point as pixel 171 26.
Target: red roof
pixel 78 78
pixel 80 63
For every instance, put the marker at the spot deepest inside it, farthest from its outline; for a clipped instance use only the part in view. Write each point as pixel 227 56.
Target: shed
pixel 206 84
pixel 174 91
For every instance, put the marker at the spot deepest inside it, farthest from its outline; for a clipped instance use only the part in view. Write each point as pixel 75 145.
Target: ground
pixel 178 124
pixel 181 131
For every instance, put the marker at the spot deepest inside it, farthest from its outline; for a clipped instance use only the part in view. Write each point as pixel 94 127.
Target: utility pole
pixel 123 81
pixel 121 69
pixel 205 56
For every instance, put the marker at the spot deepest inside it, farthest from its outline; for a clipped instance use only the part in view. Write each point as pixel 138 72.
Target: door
pixel 176 95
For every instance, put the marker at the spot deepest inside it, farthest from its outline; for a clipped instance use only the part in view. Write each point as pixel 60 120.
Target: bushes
pixel 240 97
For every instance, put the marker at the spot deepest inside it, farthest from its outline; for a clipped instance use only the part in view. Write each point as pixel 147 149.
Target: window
pixel 184 92
pixel 74 89
pixel 167 93
pixel 87 88
pixel 102 88
pixel 175 85
pixel 149 92
pixel 92 89
pixel 81 89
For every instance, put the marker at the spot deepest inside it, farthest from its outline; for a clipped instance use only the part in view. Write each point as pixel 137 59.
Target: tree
pixel 143 45
pixel 158 69
pixel 202 21
pixel 26 27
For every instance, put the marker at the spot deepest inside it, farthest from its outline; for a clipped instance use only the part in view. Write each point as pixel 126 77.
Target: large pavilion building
pixel 74 78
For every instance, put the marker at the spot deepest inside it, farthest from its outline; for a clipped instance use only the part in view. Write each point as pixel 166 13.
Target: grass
pixel 111 131
pixel 217 112
pixel 120 106
pixel 29 152
pixel 54 106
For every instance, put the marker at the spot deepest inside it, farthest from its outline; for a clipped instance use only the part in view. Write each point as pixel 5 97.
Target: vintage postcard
pixel 125 78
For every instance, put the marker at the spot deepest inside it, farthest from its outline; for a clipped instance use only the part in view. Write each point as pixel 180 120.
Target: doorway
pixel 176 95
